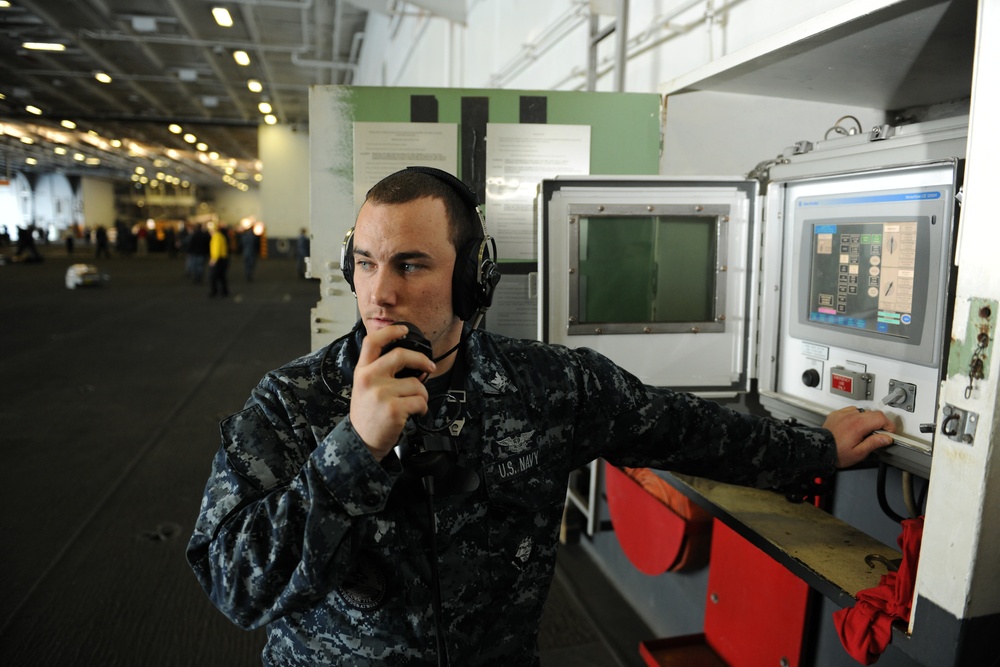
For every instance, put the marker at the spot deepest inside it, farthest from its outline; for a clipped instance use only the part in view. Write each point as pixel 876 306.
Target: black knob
pixel 811 378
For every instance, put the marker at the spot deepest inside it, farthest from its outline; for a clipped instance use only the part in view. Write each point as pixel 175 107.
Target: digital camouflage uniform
pixel 302 531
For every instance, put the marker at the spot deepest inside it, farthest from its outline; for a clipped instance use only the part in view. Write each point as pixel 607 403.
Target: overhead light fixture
pixel 68 124
pixel 265 107
pixel 270 119
pixel 79 157
pixel 241 58
pixel 255 86
pixel 4 4
pixel 117 143
pixel 31 160
pixel 43 46
pixel 144 23
pixel 102 77
pixel 190 138
pixel 175 128
pixel 27 140
pixel 59 150
pixel 202 146
pixel 222 17
pixel 33 109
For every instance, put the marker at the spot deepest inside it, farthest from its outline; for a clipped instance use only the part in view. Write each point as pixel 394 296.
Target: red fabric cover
pixel 658 528
pixel 866 628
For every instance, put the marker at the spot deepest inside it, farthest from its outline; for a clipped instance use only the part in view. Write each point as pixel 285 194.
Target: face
pixel 403 265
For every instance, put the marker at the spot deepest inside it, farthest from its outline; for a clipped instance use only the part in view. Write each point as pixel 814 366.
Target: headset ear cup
pixel 488 283
pixel 347 258
pixel 475 278
pixel 463 283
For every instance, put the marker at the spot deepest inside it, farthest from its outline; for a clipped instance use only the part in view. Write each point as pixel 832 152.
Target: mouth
pixel 380 321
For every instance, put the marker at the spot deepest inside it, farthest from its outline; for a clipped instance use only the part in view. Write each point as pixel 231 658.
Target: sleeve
pixel 634 425
pixel 279 521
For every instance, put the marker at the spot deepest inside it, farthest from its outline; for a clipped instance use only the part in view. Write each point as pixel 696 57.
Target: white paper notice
pixel 383 148
pixel 518 157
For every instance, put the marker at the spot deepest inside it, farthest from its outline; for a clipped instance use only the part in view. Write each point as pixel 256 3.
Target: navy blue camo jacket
pixel 301 530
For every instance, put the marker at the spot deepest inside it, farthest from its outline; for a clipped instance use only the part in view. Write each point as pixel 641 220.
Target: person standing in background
pixel 301 252
pixel 218 262
pixel 101 242
pixel 250 247
pixel 198 253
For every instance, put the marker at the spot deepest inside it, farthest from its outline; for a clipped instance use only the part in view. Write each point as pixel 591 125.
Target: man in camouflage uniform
pixel 312 525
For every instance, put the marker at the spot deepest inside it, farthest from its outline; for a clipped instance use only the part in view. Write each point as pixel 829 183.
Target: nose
pixel 383 288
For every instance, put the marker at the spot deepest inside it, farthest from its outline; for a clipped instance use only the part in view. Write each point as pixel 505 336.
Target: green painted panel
pixel 625 127
pixel 969 358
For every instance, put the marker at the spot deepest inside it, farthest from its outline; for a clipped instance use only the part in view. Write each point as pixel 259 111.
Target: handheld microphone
pixel 413 340
pixel 425 452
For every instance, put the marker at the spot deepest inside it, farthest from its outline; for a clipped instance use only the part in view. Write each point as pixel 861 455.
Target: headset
pixel 476 273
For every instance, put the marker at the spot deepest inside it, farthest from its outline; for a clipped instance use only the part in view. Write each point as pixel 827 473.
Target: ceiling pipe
pixel 285 4
pixel 305 47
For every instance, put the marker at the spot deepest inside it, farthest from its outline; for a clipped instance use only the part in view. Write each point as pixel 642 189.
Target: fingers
pixel 854 431
pixel 380 402
pixel 371 346
pixel 875 420
pixel 396 360
pixel 868 446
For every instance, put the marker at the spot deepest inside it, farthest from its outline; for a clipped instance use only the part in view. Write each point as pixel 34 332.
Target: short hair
pixel 409 184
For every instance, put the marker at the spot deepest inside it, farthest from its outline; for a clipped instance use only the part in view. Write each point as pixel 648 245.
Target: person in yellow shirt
pixel 218 262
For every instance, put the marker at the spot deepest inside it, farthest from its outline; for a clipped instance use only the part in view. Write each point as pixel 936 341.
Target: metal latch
pixel 880 132
pixel 959 425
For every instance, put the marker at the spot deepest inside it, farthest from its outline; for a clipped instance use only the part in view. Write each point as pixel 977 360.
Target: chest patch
pixel 516 444
pixel 367 587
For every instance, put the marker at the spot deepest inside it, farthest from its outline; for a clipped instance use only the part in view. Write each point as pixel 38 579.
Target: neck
pixel 445 359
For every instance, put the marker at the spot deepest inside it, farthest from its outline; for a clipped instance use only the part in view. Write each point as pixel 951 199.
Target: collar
pixel 488 372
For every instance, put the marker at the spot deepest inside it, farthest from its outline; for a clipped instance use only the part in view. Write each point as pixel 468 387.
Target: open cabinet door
pixel 656 274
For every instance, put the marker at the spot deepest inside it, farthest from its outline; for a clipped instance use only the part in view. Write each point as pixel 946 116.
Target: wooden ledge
pixel 822 550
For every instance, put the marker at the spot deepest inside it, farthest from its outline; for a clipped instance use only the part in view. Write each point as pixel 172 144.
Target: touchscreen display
pixel 863 276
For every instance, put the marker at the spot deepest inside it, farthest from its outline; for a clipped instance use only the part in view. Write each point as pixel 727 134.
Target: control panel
pixel 858 312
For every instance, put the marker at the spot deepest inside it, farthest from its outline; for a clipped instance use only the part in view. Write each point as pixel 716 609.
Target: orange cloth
pixel 660 489
pixel 865 629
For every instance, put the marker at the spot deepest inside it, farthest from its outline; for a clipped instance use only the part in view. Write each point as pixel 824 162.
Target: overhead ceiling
pixel 169 63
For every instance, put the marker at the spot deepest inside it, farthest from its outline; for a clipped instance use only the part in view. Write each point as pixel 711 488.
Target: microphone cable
pixel 442 648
